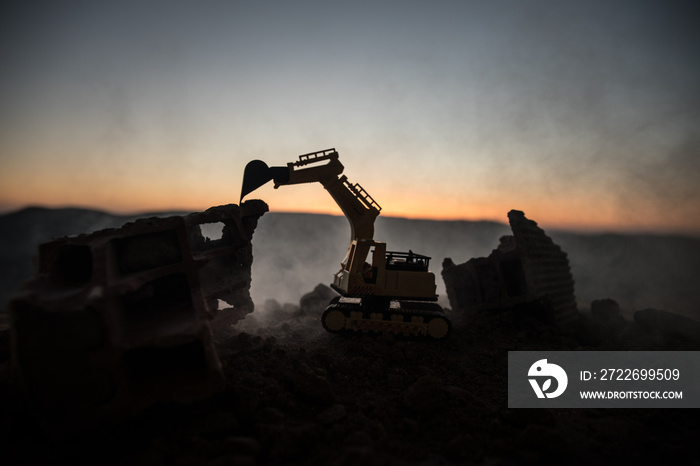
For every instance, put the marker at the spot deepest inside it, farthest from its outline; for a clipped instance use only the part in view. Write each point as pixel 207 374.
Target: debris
pixel 316 301
pixel 527 267
pixel 117 320
pixel 605 310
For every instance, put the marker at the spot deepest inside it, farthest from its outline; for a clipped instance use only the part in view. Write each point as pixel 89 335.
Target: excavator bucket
pixel 257 173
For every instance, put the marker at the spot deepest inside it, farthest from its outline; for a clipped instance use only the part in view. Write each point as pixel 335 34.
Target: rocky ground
pixel 298 395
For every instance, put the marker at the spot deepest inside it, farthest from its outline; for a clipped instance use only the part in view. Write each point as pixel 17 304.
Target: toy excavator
pixel 380 291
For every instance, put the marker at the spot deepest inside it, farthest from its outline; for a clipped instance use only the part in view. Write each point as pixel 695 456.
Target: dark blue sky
pixel 581 113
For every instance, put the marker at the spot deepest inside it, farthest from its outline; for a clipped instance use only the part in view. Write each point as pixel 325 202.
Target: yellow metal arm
pixel 324 167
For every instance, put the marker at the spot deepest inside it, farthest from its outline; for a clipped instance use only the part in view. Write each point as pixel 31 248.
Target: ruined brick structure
pixel 119 319
pixel 525 268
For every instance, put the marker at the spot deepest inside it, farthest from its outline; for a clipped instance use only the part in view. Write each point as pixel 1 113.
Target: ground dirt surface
pixel 298 395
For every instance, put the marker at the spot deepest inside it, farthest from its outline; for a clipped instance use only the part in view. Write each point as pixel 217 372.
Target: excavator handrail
pixel 312 157
pixel 361 194
pixel 406 255
pixel 399 260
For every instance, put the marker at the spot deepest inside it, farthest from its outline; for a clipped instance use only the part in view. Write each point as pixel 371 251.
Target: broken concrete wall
pixel 119 319
pixel 226 274
pixel 525 268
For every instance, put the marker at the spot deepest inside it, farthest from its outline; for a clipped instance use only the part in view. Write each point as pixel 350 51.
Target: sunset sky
pixel 583 114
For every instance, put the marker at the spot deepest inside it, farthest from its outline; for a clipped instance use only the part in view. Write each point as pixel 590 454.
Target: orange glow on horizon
pixel 546 218
pixel 143 195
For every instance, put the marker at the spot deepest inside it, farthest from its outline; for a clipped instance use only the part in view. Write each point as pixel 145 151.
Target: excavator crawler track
pixel 416 319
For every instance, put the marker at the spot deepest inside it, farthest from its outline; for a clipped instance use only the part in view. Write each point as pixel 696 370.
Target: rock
pixel 465 447
pixel 311 386
pixel 272 306
pixel 426 396
pixel 541 443
pixel 270 415
pixel 605 309
pixel 332 415
pixel 657 322
pixel 242 445
pixel 316 301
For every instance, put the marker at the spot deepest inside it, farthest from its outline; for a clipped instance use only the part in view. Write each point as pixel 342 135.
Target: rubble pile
pixel 226 273
pixel 297 322
pixel 526 267
pixel 297 398
pixel 118 320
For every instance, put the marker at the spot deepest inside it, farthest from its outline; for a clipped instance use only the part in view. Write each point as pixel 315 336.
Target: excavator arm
pixel 325 168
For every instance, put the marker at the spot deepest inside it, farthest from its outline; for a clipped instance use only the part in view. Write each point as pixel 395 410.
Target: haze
pixel 584 114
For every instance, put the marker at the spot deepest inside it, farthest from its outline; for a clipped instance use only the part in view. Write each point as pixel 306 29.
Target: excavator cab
pixel 380 291
pixel 372 271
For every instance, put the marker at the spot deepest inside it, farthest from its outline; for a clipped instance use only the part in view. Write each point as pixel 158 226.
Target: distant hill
pixel 295 252
pixel 22 231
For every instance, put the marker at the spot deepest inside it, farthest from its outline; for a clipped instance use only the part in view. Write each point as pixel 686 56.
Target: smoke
pixel 293 253
pixel 638 271
pixel 670 182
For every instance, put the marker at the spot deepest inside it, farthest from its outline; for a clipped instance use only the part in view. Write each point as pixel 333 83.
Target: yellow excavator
pixel 380 291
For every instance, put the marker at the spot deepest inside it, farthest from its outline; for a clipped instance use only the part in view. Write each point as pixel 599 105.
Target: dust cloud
pixel 293 253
